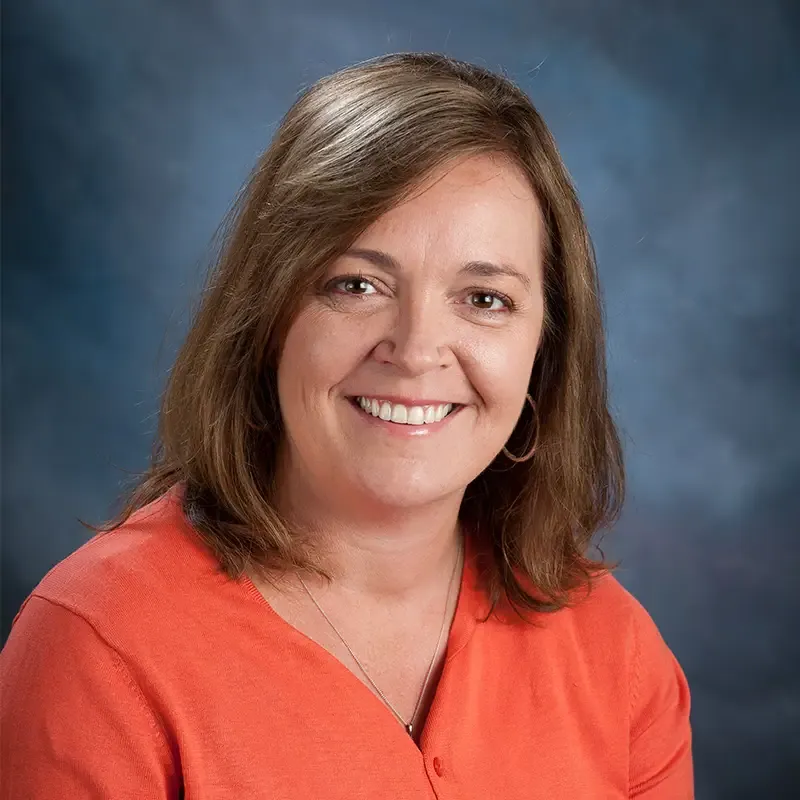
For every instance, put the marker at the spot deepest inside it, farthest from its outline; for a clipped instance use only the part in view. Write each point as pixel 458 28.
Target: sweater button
pixel 437 766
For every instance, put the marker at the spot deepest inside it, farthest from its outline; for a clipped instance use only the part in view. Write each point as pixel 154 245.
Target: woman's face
pixel 404 375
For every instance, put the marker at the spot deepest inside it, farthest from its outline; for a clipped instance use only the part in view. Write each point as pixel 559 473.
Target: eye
pixel 354 285
pixel 488 301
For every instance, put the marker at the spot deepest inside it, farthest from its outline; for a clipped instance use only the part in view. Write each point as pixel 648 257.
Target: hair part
pixel 351 147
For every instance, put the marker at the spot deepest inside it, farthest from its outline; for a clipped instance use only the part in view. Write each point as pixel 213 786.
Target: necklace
pixel 409 726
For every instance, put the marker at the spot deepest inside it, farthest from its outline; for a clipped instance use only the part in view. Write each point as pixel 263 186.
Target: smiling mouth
pixel 404 415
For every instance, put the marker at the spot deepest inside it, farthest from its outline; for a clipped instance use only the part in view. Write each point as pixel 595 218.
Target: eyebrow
pixel 479 269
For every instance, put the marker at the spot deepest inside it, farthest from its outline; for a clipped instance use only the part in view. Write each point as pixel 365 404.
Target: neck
pixel 390 556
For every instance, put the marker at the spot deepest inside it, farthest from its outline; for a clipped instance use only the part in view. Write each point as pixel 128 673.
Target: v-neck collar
pixel 471 605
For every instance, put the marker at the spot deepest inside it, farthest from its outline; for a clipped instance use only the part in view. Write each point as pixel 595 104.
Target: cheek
pixel 320 350
pixel 500 368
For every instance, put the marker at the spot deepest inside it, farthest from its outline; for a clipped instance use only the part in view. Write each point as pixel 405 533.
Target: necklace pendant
pixel 410 729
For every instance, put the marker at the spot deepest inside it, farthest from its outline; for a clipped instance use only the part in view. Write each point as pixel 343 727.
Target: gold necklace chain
pixel 409 726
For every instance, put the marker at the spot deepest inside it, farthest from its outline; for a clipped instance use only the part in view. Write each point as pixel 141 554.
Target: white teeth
pixel 416 415
pixel 403 415
pixel 399 414
pixel 443 411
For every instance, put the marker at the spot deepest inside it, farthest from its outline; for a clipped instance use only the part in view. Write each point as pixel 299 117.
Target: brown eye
pixel 354 285
pixel 486 301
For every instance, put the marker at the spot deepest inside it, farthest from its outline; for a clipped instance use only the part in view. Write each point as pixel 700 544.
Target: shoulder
pixel 616 624
pixel 614 654
pixel 604 615
pixel 88 644
pixel 613 609
pixel 620 631
pixel 606 596
pixel 607 610
pixel 122 580
pixel 611 634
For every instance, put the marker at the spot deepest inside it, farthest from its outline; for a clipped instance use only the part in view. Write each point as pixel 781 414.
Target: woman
pixel 358 565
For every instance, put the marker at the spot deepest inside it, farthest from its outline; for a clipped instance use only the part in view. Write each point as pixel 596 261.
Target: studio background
pixel 129 126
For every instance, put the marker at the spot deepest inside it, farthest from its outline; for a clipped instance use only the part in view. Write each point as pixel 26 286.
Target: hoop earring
pixel 529 454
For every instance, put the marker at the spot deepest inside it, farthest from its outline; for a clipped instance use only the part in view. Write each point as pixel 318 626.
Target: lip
pixel 400 430
pixel 395 399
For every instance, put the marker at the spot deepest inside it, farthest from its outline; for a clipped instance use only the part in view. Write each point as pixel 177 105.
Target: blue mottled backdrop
pixel 128 126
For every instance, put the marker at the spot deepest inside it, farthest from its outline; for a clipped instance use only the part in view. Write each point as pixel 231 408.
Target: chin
pixel 401 489
pixel 407 491
pixel 406 501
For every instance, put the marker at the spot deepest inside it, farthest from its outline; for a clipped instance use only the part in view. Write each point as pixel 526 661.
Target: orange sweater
pixel 137 670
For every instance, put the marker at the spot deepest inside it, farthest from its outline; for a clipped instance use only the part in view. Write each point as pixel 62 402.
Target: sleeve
pixel 661 739
pixel 75 725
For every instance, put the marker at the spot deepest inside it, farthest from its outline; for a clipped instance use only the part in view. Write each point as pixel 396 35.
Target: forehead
pixel 474 207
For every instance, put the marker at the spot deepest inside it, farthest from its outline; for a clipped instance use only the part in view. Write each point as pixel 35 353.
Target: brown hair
pixel 350 147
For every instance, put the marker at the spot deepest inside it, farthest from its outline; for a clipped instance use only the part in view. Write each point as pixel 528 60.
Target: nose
pixel 418 340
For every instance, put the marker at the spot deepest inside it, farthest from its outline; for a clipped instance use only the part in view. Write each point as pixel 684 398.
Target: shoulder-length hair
pixel 348 150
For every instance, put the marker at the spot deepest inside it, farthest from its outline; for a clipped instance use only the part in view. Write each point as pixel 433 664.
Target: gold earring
pixel 529 454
